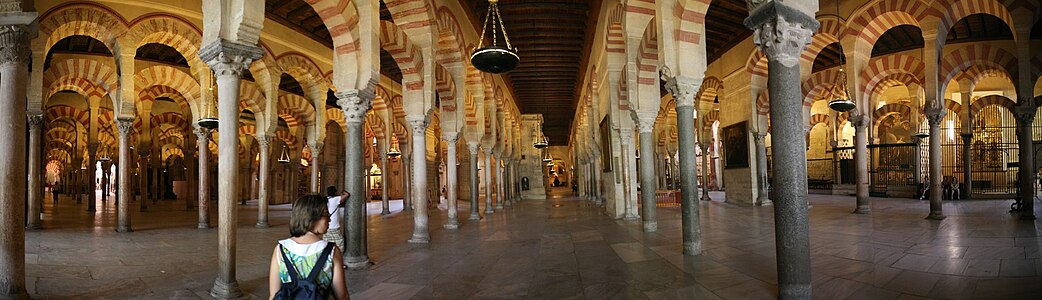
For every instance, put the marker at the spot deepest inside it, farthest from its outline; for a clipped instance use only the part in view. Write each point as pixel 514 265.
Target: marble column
pixel 1025 115
pixel 355 104
pixel 645 127
pixel 383 184
pixel 474 210
pixel 35 175
pixel 143 171
pixel 860 123
pixel 498 183
pixel 407 183
pixel 452 182
pixel 935 115
pixel 124 126
pixel 683 90
pixel 316 159
pixel 14 57
pixel 782 32
pixel 202 135
pixel 191 178
pixel 967 163
pixel 228 61
pixel 763 197
pixel 421 232
pixel 630 201
pixel 488 181
pixel 92 171
pixel 264 180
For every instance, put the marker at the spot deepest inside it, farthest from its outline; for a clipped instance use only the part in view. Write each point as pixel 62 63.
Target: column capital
pixel 645 120
pixel 857 119
pixel 124 125
pixel 473 148
pixel 355 104
pixel 683 88
pixel 759 138
pixel 202 133
pixel 781 31
pixel 263 141
pixel 935 114
pixel 315 148
pixel 229 58
pixel 14 43
pixel 35 121
pixel 450 138
pixel 418 125
pixel 1025 113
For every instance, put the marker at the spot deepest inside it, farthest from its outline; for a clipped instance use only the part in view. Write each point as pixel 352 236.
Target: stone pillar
pixel 407 183
pixel 316 154
pixel 683 90
pixel 783 32
pixel 228 61
pixel 488 181
pixel 355 104
pixel 143 172
pixel 860 123
pixel 935 115
pixel 35 176
pixel 14 57
pixel 124 126
pixel 452 181
pixel 92 170
pixel 763 197
pixel 1025 114
pixel 421 232
pixel 967 169
pixel 499 182
pixel 383 184
pixel 474 210
pixel 630 202
pixel 191 178
pixel 202 135
pixel 645 127
pixel 264 180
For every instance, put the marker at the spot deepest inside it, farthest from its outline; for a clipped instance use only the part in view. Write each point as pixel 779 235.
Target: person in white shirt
pixel 335 207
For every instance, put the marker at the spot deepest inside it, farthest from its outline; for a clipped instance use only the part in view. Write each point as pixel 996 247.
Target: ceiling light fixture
pixel 842 103
pixel 494 58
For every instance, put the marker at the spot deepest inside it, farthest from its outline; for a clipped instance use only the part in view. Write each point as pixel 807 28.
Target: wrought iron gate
pixel 993 152
pixel 892 166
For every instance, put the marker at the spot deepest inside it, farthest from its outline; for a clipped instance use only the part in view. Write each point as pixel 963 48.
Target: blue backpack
pixel 307 288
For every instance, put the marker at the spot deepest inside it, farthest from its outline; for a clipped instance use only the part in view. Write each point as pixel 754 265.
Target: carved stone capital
pixel 683 88
pixel 782 32
pixel 935 115
pixel 14 44
pixel 202 133
pixel 418 124
pixel 35 121
pixel 263 141
pixel 450 137
pixel 857 119
pixel 316 148
pixel 355 104
pixel 473 148
pixel 1025 113
pixel 229 58
pixel 759 138
pixel 124 126
pixel 645 121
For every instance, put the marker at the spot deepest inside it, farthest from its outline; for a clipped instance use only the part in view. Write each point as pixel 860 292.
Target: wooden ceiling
pixel 724 27
pixel 551 37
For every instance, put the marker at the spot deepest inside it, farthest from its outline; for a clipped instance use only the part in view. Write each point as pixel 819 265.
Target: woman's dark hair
pixel 306 211
pixel 331 191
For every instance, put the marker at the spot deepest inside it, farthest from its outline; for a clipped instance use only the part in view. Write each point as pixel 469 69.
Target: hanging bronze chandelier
pixel 284 157
pixel 494 58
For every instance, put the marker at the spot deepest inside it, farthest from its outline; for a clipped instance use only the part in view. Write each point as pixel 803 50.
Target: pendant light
pixel 547 157
pixel 105 155
pixel 494 58
pixel 541 143
pixel 841 103
pixel 393 151
pixel 209 118
pixel 284 157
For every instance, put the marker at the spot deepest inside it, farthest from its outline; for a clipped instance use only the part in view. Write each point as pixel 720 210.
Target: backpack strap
pixel 294 277
pixel 321 262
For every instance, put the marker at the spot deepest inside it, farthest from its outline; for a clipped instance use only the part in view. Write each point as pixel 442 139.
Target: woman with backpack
pixel 304 266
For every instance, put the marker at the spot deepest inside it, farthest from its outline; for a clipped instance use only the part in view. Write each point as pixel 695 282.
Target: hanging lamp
pixel 105 156
pixel 842 103
pixel 393 151
pixel 547 157
pixel 284 157
pixel 541 143
pixel 209 118
pixel 494 58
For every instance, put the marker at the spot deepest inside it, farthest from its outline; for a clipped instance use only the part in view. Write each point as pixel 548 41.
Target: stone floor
pixel 563 248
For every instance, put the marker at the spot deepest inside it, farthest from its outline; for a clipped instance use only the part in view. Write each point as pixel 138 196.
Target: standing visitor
pixel 335 206
pixel 305 261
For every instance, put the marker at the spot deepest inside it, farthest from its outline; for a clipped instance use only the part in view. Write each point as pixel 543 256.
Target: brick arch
pixel 376 123
pixel 401 133
pixel 473 96
pixel 648 59
pixel 982 102
pixel 615 39
pixel 301 110
pixel 55 112
pixel 76 84
pixel 341 17
pixel 954 10
pixel 981 55
pixel 820 82
pixel 414 17
pixel 150 93
pixel 174 119
pixel 689 24
pixel 251 98
pixel 173 78
pixel 305 71
pixel 711 117
pixel 169 30
pixel 97 73
pixel 870 21
pixel 757 64
pixel 336 115
pixel 450 38
pixel 763 103
pixel 816 119
pixel 829 32
pixel 903 68
pixel 711 87
pixel 976 73
pixel 398 111
pixel 93 20
pixel 407 55
pixel 892 108
pixel 445 87
pixel 380 101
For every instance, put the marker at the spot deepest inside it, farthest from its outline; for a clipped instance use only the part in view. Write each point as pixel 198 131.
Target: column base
pixel 630 217
pixel 262 225
pixel 767 203
pixel 936 215
pixel 650 226
pixel 385 212
pixel 451 225
pixel 225 290
pixel 489 211
pixel 420 239
pixel 692 248
pixel 705 197
pixel 203 226
pixel 474 217
pixel 34 227
pixel 794 291
pixel 125 229
pixel 862 209
pixel 357 262
pixel 499 207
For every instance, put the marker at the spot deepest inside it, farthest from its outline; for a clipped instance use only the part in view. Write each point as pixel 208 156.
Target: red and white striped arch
pixel 711 87
pixel 79 85
pixel 301 110
pixel 174 78
pixel 985 101
pixel 55 112
pixel 450 38
pixel 151 93
pixel 889 109
pixel 984 56
pixel 96 21
pixel 870 21
pixel 376 123
pixel 100 75
pixel 828 32
pixel 446 88
pixel 882 72
pixel 688 32
pixel 342 19
pixel 816 119
pixel 407 55
pixel 757 64
pixel 172 31
pixel 818 83
pixel 306 72
pixel 955 10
